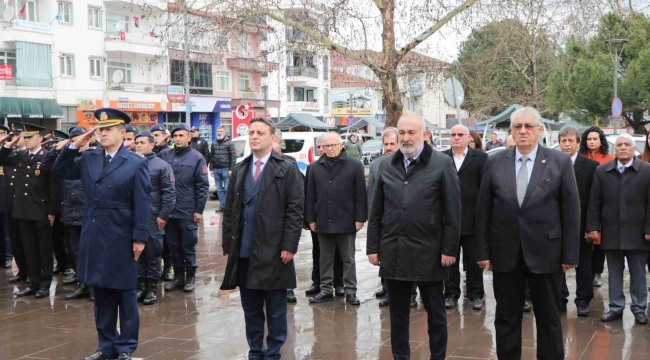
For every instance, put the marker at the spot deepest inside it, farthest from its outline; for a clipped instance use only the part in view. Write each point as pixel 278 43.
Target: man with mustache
pixel 619 211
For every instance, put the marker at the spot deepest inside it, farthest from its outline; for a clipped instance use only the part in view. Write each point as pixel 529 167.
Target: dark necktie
pixel 409 162
pixel 31 157
pixel 107 160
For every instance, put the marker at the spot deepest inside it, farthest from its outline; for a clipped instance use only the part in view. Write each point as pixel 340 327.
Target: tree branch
pixel 433 29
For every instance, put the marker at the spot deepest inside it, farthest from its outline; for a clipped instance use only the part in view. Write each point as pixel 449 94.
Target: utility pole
pixel 615 43
pixel 186 53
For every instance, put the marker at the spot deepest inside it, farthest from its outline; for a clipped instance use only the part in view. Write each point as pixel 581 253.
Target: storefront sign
pixel 223 106
pixel 175 94
pixel 141 112
pixel 330 120
pixel 205 104
pixel 6 72
pixel 33 26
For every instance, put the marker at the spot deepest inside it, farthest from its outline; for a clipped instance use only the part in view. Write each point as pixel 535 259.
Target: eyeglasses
pixel 527 126
pixel 457 135
pixel 327 146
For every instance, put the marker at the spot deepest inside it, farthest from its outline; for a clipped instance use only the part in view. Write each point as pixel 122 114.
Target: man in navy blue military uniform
pixel 115 229
pixel 10 172
pixel 32 207
pixel 63 260
pixel 129 137
pixel 160 137
pixel 162 200
pixel 5 247
pixel 181 231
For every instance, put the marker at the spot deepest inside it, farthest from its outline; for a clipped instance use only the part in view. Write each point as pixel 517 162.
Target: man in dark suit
pixel 413 232
pixel 584 169
pixel 470 165
pixel 115 229
pixel 528 225
pixel 619 206
pixel 33 194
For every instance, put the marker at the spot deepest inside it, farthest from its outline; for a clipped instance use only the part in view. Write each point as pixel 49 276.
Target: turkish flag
pixel 22 10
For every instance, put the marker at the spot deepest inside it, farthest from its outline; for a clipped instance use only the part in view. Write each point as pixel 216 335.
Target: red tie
pixel 258 169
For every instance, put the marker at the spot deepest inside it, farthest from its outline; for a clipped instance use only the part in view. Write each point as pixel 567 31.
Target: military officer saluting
pixel 31 208
pixel 181 231
pixel 160 137
pixel 12 224
pixel 162 200
pixel 115 229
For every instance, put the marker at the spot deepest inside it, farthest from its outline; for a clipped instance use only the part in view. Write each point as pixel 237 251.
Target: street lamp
pixel 615 44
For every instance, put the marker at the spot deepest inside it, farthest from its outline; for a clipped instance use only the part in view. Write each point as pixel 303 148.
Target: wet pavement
pixel 209 324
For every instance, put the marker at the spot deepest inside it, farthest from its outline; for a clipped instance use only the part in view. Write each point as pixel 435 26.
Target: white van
pixel 299 145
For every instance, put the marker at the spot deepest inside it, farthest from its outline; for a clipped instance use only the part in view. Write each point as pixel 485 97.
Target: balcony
pixel 296 35
pixel 134 44
pixel 251 64
pixel 139 88
pixel 298 106
pixel 27 31
pixel 302 71
pixel 250 95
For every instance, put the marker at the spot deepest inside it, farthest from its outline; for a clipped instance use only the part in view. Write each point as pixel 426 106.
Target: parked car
pixel 370 150
pixel 442 143
pixel 299 145
pixel 360 137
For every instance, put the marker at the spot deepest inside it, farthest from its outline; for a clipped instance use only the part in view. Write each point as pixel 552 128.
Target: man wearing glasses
pixel 470 165
pixel 528 229
pixel 335 209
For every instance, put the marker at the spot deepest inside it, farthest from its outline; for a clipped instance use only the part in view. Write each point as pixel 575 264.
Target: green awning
pixel 51 109
pixel 31 108
pixel 9 108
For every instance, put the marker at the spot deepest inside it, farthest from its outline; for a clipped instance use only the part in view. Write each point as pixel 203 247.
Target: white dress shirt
pixel 618 164
pixel 574 157
pixel 458 160
pixel 264 161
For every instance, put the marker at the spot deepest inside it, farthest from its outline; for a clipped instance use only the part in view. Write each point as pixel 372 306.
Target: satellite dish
pixel 119 26
pixel 117 77
pixel 9 14
pixel 454 93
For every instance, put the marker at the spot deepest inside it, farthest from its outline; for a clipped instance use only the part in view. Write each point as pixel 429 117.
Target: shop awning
pixel 298 119
pixel 503 118
pixel 51 109
pixel 363 122
pixel 9 108
pixel 31 108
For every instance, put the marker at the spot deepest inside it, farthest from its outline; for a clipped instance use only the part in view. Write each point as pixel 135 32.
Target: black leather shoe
pixel 218 211
pixel 124 356
pixel 79 293
pixel 291 297
pixel 27 292
pixel 352 299
pixel 313 290
pixel 611 316
pixel 451 301
pixel 321 298
pixel 152 293
pixel 414 301
pixel 7 264
pixel 70 280
pixel 339 291
pixel 97 356
pixel 42 293
pixel 528 306
pixel 68 272
pixel 563 307
pixel 583 312
pixel 380 292
pixel 16 278
pixel 385 301
pixel 476 303
pixel 640 318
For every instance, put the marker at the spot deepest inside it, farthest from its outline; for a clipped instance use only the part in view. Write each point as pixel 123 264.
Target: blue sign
pixel 351 120
pixel 617 108
pixel 222 106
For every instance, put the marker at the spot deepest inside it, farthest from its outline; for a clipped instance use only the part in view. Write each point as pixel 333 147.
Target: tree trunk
pixel 637 122
pixel 392 97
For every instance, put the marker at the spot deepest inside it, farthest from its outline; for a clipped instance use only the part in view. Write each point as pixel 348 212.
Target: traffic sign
pixel 617 108
pixel 351 120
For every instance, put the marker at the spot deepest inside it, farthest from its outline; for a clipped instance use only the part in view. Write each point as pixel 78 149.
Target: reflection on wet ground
pixel 209 324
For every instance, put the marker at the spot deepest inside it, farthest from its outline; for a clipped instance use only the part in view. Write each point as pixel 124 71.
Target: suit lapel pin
pixel 543 161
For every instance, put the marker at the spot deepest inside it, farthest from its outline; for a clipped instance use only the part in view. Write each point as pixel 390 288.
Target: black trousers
pixel 434 303
pixel 149 261
pixel 17 245
pixel 584 281
pixel 182 237
pixel 72 239
pixel 58 244
pixel 598 260
pixel 474 286
pixel 509 288
pixel 37 243
pixel 315 272
pixel 166 255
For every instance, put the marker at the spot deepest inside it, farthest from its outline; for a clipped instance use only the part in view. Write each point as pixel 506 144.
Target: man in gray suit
pixel 528 228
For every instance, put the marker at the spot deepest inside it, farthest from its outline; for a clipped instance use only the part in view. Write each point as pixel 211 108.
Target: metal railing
pixel 141 88
pixel 302 71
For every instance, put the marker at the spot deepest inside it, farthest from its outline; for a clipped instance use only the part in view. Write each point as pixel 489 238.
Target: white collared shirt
pixel 618 164
pixel 531 162
pixel 264 161
pixel 574 157
pixel 458 160
pixel 35 152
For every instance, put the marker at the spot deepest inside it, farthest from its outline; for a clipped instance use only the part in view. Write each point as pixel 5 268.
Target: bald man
pixel 469 164
pixel 510 142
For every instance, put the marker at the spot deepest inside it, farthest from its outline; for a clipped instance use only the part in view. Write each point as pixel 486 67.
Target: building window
pixel 96 68
pixel 223 80
pixel 66 62
pixel 95 17
pixel 298 94
pixel 245 82
pixel 116 24
pixel 8 58
pixel 288 93
pixel 222 39
pixel 200 76
pixel 65 12
pixel 69 119
pixel 125 68
pixel 30 11
pixel 243 44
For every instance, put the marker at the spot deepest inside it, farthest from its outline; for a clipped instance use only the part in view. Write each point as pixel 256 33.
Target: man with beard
pixel 223 160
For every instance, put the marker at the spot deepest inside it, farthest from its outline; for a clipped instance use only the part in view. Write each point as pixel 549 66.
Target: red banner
pixel 6 72
pixel 241 120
